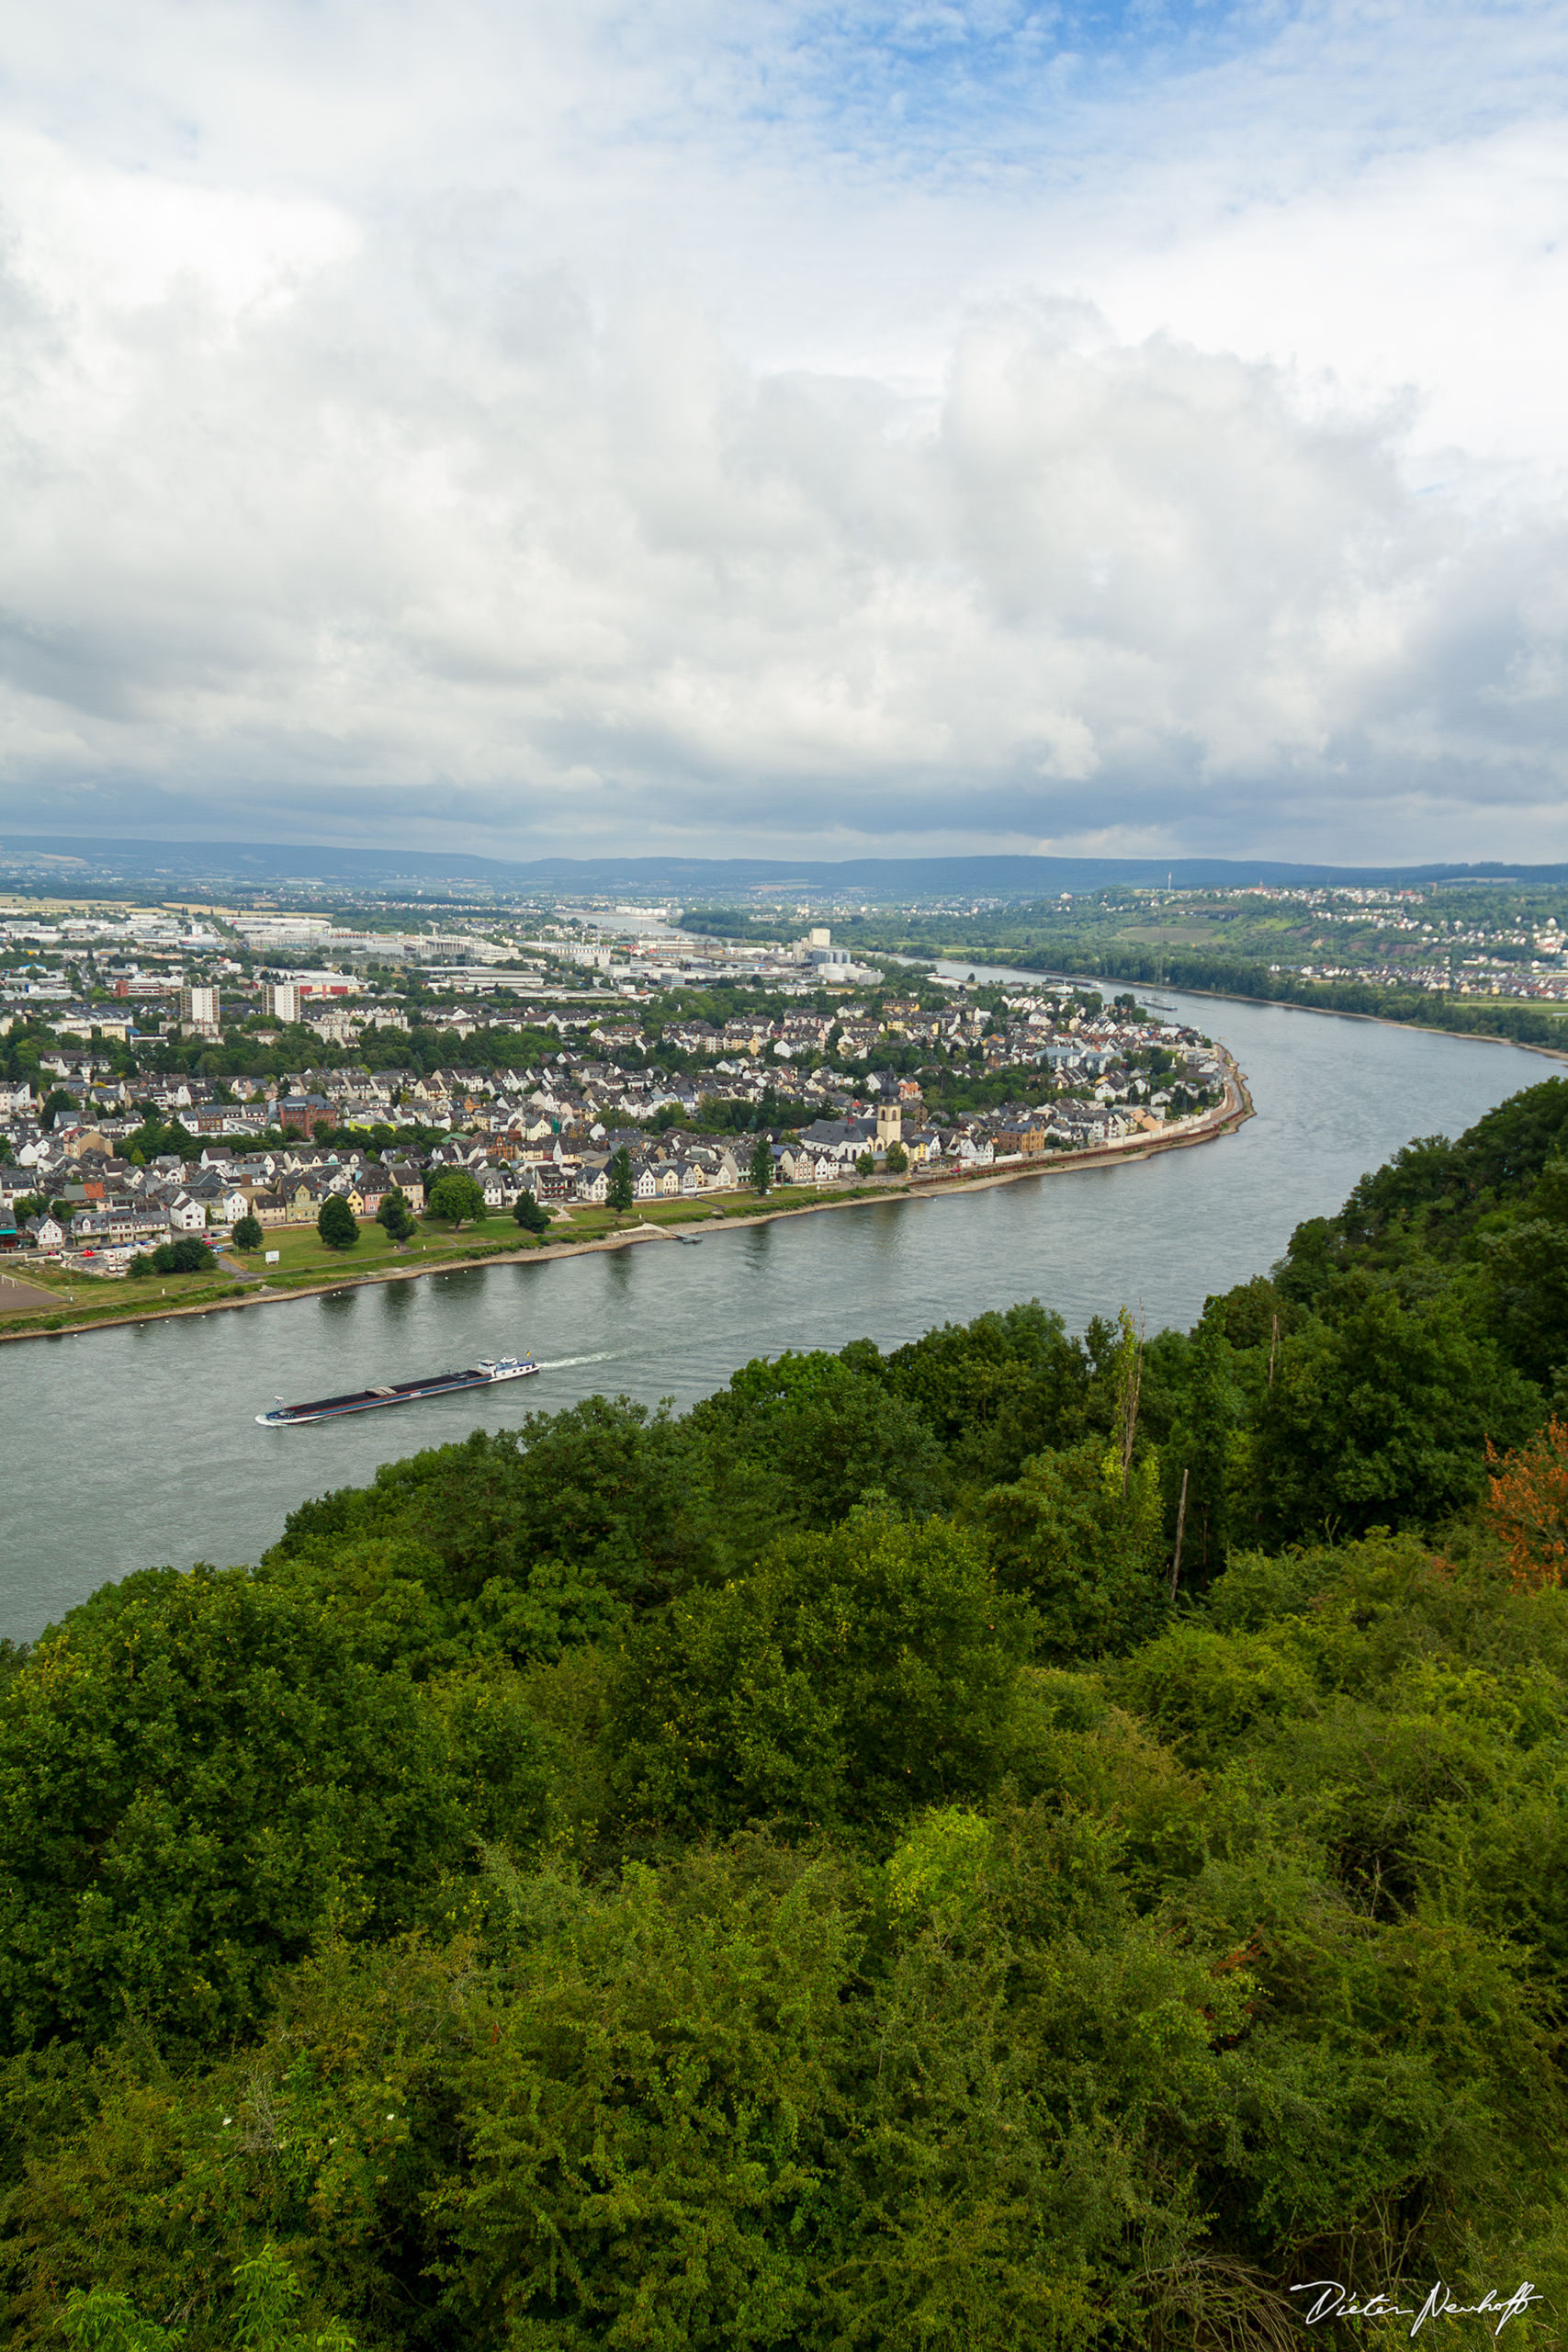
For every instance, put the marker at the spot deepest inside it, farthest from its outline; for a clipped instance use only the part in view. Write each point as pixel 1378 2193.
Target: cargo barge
pixel 482 1374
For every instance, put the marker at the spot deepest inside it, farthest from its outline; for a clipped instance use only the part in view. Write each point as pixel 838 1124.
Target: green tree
pixel 268 2296
pixel 995 1391
pixel 604 1493
pixel 248 1232
pixel 853 1675
pixel 897 1159
pixel 1380 1414
pixel 1527 1264
pixel 337 1224
pixel 1083 1546
pixel 762 1170
pixel 394 1216
pixel 1204 1444
pixel 621 1193
pixel 530 1213
pixel 865 1163
pixel 196 1773
pixel 456 1199
pixel 814 1436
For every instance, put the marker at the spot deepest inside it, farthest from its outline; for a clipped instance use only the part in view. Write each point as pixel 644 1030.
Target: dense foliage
pixel 189 1255
pixel 827 1870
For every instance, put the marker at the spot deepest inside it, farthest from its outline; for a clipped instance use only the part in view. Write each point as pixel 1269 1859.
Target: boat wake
pixel 564 1363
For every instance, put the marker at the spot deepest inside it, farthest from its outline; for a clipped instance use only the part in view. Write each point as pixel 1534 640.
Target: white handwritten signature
pixel 1336 2301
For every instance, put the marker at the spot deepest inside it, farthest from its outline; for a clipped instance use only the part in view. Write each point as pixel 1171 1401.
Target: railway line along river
pixel 139 1446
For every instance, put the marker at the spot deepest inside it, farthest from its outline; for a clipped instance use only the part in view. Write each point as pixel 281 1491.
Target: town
pixel 1465 941
pixel 226 1078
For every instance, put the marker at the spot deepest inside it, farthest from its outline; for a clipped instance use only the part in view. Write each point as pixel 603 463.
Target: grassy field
pixel 66 1299
pixel 76 1302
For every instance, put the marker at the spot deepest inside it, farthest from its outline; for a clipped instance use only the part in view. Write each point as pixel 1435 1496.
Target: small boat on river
pixel 483 1375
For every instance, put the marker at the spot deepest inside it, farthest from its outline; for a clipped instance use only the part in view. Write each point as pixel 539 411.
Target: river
pixel 139 1446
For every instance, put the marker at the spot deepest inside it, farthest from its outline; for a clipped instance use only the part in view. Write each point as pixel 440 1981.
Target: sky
pixel 656 425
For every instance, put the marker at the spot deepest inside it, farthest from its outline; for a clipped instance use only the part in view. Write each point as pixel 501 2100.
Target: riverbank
pixel 1290 1004
pixel 69 1322
pixel 1377 1020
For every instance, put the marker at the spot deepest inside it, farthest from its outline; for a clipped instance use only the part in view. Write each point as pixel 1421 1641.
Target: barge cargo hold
pixel 483 1375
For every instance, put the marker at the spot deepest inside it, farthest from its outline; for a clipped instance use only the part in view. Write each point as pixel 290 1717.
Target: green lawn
pixel 303 1254
pixel 304 1259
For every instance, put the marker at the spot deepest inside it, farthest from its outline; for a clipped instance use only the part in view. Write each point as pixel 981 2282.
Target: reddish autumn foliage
pixel 1527 1507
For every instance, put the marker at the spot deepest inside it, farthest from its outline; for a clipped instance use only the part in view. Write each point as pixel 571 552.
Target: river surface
pixel 137 1447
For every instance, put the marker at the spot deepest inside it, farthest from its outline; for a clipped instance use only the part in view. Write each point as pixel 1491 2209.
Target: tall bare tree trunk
pixel 1180 1531
pixel 1129 1400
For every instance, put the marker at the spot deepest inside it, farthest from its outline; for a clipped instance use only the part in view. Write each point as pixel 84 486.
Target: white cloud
pixel 511 430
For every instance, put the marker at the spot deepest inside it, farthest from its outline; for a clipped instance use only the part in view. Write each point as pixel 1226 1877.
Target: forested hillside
pixel 1021 1841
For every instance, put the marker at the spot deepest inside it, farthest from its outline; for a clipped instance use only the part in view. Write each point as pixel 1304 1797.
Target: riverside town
pixel 200 1095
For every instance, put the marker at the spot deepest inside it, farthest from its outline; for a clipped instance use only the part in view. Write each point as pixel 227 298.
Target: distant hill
pixel 269 865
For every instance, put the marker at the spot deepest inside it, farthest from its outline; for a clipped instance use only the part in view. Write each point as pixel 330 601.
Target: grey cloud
pixel 408 536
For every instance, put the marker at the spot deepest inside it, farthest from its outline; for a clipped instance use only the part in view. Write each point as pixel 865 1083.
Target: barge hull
pixel 370 1400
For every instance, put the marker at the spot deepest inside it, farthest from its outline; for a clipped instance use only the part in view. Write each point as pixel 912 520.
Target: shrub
pixel 186 1256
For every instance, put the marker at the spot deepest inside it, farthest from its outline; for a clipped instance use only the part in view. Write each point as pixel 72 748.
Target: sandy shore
pixel 1237 1111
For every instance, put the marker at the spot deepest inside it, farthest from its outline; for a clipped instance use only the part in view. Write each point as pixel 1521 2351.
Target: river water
pixel 139 1446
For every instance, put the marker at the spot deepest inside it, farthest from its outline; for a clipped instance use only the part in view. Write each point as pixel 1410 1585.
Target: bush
pixel 530 1213
pixel 186 1256
pixel 1207 1693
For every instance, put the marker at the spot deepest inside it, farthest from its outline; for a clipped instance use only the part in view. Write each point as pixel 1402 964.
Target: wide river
pixel 135 1447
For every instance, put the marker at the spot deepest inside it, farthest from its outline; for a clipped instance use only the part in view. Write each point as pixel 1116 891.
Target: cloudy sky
pixel 750 426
